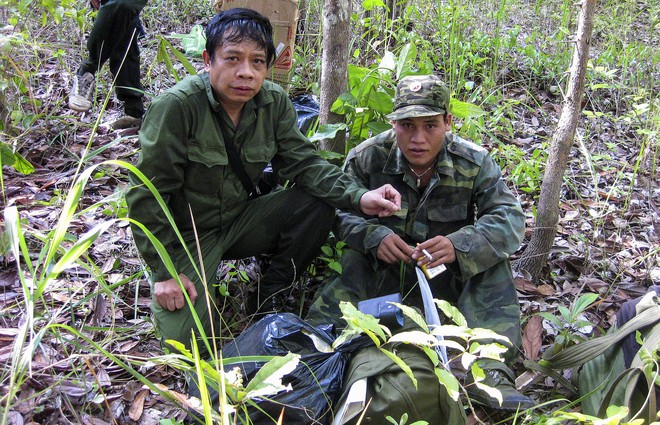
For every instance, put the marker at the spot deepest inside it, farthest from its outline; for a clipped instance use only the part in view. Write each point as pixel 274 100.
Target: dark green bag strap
pixel 235 162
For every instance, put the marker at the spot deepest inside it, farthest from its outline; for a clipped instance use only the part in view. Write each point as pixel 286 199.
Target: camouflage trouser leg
pixel 352 286
pixel 488 300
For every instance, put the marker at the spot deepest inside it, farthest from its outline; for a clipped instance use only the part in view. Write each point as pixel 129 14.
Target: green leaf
pixel 451 312
pixel 336 267
pixel 414 315
pixel 365 323
pixel 344 104
pixel 79 248
pixel 449 382
pixel 268 380
pixel 330 156
pixel 583 303
pixel 7 156
pixel 370 4
pixel 387 62
pixel 327 131
pixel 404 367
pixel 551 318
pixel 381 102
pixel 464 110
pixel 565 313
pixel 194 42
pixel 406 57
pixel 15 160
pixel 418 338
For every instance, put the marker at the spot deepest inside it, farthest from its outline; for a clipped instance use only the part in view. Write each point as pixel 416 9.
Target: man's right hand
pixel 393 249
pixel 168 293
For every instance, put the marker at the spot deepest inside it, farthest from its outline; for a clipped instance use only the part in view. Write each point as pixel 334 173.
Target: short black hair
pixel 238 24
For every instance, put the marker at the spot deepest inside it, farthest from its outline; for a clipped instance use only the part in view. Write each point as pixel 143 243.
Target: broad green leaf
pixel 449 382
pixel 488 335
pixel 414 337
pixel 336 267
pixel 464 110
pixel 365 323
pixel 356 74
pixel 551 318
pixel 344 104
pixel 370 4
pixel 565 313
pixel 268 380
pixel 194 42
pixel 381 102
pixel 451 312
pixel 414 315
pixel 330 156
pixel 491 391
pixel 406 57
pixel 387 62
pixel 583 303
pixel 327 131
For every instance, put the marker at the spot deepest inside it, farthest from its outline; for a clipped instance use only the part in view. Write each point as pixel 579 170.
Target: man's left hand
pixel 440 248
pixel 383 202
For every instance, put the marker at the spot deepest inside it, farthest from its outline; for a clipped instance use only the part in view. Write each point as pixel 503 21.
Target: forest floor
pixel 607 243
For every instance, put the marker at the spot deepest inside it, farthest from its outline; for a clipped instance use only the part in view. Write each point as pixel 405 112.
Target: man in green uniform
pixel 184 140
pixel 455 207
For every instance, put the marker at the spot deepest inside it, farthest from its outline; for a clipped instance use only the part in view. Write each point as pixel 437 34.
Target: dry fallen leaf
pixel 138 405
pixel 533 337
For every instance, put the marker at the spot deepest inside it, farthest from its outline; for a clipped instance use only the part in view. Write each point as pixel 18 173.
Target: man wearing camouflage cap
pixel 455 206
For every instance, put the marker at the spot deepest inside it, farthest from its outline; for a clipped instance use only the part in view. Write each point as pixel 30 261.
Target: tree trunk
pixel 535 255
pixel 334 62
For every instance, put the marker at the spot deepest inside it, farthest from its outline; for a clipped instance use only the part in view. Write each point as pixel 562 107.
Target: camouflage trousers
pixel 487 300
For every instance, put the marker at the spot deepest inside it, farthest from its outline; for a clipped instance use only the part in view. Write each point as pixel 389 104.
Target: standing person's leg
pixel 290 224
pixel 113 37
pixel 125 57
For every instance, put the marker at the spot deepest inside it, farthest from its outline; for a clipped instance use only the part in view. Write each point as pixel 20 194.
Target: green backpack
pixel 391 392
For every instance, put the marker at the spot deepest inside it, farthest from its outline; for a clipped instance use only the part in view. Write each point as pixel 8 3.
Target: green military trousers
pixel 290 224
pixel 488 300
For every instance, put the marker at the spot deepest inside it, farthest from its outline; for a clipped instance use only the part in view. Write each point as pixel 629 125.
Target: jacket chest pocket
pixel 205 168
pixel 447 217
pixel 257 155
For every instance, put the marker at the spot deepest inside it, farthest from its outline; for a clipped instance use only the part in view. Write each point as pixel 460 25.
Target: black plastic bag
pixel 307 109
pixel 316 381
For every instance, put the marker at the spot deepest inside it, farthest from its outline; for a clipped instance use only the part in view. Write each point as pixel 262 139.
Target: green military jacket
pixel 466 200
pixel 184 155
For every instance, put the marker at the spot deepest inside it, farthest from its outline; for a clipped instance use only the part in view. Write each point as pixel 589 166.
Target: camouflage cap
pixel 420 96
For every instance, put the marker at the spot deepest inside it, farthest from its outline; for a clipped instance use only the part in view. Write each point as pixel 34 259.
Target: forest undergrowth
pixel 67 338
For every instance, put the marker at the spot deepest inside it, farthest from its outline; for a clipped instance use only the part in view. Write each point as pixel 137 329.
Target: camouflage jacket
pixel 466 200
